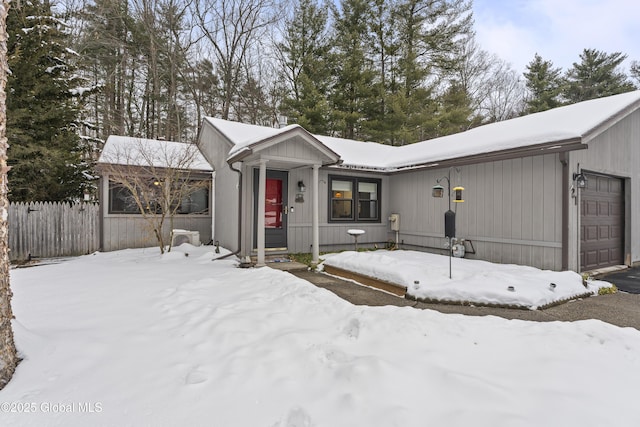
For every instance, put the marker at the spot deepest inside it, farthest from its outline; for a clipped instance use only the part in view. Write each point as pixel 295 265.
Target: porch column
pixel 315 218
pixel 262 189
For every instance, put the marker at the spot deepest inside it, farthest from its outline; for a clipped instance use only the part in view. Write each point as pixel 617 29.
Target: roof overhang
pixel 571 144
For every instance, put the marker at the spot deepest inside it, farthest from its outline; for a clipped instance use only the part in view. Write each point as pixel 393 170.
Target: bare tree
pixel 8 356
pixel 232 27
pixel 495 90
pixel 158 180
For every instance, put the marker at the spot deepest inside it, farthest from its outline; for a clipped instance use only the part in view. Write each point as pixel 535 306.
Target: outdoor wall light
pixel 580 180
pixel 301 187
pixel 437 191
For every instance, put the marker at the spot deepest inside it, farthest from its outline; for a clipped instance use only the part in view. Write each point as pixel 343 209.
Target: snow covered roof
pixel 576 121
pixel 245 137
pixel 572 124
pixel 124 150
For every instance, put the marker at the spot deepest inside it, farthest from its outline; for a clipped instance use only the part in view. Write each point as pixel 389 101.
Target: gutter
pixel 570 144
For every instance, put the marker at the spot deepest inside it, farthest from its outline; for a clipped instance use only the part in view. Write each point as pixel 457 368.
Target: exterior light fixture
pixel 437 191
pixel 580 180
pixel 301 187
pixel 457 195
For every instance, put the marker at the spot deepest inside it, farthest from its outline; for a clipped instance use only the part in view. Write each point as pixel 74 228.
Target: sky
pixel 558 30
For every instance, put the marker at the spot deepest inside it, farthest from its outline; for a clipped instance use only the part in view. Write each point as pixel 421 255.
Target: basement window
pixel 354 199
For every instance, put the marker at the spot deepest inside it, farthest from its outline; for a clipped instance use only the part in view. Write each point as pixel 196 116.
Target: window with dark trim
pixel 354 199
pixel 122 200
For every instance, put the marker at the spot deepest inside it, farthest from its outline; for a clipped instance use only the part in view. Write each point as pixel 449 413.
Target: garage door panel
pixel 603 256
pixel 603 208
pixel 615 209
pixel 615 186
pixel 616 254
pixel 590 208
pixel 591 234
pixel 602 222
pixel 615 232
pixel 603 232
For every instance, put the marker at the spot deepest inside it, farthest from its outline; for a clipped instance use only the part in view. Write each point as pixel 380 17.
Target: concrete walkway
pixel 621 309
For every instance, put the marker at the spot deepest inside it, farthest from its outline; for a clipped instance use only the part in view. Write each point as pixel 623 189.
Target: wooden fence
pixel 45 229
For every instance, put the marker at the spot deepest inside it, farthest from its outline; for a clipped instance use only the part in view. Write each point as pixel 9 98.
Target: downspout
pixel 239 172
pixel 566 201
pixel 103 206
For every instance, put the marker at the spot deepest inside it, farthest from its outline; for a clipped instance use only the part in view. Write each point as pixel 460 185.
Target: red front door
pixel 276 208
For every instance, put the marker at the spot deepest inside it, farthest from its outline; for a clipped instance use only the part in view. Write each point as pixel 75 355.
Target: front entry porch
pixel 274 202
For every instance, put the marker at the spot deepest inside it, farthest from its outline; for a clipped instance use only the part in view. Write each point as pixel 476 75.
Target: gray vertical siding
pixel 215 149
pixel 132 231
pixel 616 152
pixel 512 210
pixel 333 236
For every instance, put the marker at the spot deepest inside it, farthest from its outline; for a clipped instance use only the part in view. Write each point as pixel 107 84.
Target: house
pixel 144 164
pixel 556 190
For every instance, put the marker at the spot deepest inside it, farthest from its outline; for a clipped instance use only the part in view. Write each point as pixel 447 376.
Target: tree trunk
pixel 8 357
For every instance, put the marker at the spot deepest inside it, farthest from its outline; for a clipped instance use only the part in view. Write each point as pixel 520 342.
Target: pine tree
pixel 454 113
pixel 384 45
pixel 351 95
pixel 430 33
pixel 597 75
pixel 108 61
pixel 635 72
pixel 304 55
pixel 544 83
pixel 45 150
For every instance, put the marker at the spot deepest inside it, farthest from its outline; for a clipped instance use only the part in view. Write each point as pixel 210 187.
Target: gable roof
pixel 559 129
pixel 130 151
pixel 247 139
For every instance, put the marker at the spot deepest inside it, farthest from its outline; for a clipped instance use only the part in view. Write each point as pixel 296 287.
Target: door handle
pixel 285 209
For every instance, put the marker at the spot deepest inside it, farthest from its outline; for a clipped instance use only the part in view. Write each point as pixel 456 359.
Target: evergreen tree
pixel 45 150
pixel 384 44
pixel 351 96
pixel 454 113
pixel 430 34
pixel 635 72
pixel 597 75
pixel 107 61
pixel 304 55
pixel 544 83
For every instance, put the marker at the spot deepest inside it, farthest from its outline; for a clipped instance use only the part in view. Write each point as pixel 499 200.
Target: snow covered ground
pixel 427 276
pixel 135 338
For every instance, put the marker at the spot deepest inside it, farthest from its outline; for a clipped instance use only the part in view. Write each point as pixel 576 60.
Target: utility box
pixel 394 219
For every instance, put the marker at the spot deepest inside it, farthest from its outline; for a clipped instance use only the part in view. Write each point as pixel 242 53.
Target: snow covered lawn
pixel 133 338
pixel 426 276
